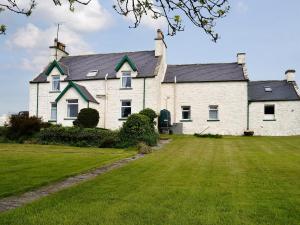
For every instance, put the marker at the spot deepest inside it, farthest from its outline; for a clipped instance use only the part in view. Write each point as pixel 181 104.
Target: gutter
pixel 37 99
pixel 106 101
pixel 144 94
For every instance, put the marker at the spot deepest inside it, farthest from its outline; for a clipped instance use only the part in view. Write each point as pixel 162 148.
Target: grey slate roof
pixel 86 93
pixel 281 91
pixel 77 67
pixel 204 73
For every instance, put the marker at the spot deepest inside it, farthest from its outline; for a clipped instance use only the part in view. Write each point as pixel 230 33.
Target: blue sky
pixel 268 31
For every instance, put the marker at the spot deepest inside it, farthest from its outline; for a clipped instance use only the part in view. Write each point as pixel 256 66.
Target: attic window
pixel 268 89
pixel 92 73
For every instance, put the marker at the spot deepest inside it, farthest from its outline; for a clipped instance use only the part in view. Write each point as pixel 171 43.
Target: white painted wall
pixel 287 118
pixel 231 97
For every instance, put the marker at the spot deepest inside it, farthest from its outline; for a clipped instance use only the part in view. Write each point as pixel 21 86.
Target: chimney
pixel 58 50
pixel 290 75
pixel 241 58
pixel 160 45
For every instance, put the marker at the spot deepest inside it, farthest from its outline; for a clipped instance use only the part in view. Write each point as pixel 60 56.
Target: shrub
pixel 22 126
pixel 137 129
pixel 76 136
pixel 208 135
pixel 151 114
pixel 143 148
pixel 87 118
pixel 248 133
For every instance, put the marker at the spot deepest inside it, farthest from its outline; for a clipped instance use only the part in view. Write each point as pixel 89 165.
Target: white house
pixel 201 98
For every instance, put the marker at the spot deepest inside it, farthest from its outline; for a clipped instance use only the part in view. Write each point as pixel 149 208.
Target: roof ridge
pixel 107 53
pixel 193 64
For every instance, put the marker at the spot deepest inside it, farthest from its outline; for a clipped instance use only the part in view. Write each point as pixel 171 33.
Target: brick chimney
pixel 58 50
pixel 290 75
pixel 160 45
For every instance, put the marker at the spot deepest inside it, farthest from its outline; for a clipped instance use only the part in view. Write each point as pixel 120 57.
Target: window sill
pixel 125 88
pixel 123 119
pixel 54 91
pixel 189 120
pixel 70 118
pixel 269 120
pixel 213 120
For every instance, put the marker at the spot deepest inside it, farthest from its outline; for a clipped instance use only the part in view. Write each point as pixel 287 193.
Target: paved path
pixel 20 200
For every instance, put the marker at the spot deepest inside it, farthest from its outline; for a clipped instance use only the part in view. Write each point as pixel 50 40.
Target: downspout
pixel 88 104
pixel 37 99
pixel 175 81
pixel 248 104
pixel 144 93
pixel 105 105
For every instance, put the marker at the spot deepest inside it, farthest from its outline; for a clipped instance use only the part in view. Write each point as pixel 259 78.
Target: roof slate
pixel 87 94
pixel 204 73
pixel 78 66
pixel 281 91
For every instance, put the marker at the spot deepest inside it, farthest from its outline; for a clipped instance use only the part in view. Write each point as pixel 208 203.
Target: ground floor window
pixel 72 108
pixel 213 112
pixel 125 108
pixel 186 112
pixel 53 111
pixel 269 112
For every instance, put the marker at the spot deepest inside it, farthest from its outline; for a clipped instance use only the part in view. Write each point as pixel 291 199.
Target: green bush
pixel 143 148
pixel 150 113
pixel 208 135
pixel 22 126
pixel 76 136
pixel 87 118
pixel 137 129
pixel 248 133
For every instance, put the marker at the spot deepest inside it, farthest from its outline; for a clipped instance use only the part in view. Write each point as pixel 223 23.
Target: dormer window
pixel 55 83
pixel 92 73
pixel 126 80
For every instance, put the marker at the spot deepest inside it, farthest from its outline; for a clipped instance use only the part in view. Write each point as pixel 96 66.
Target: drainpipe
pixel 37 99
pixel 105 105
pixel 248 114
pixel 144 93
pixel 175 81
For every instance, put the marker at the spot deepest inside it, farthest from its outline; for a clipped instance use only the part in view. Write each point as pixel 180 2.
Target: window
pixel 126 80
pixel 55 83
pixel 72 108
pixel 92 73
pixel 269 112
pixel 268 89
pixel 186 112
pixel 125 108
pixel 213 112
pixel 53 111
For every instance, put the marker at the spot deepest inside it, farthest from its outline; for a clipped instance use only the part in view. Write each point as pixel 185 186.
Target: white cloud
pixel 36 41
pixel 85 18
pixel 242 7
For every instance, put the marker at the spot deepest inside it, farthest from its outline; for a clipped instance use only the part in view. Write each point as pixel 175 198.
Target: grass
pixel 233 180
pixel 25 167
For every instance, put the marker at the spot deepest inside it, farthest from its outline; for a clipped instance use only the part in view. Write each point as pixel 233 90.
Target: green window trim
pixel 51 67
pixel 71 85
pixel 129 61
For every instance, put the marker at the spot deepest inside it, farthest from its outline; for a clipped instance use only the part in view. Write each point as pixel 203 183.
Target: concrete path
pixel 20 200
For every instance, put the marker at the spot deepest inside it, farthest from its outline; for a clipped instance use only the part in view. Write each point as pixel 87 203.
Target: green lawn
pixel 24 167
pixel 234 180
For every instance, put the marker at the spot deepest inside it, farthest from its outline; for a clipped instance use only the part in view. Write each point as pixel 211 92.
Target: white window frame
pixel 55 78
pixel 214 108
pixel 52 110
pixel 126 100
pixel 268 116
pixel 68 108
pixel 189 110
pixel 126 75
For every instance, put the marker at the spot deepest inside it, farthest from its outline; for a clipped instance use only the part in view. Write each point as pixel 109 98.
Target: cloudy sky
pixel 268 31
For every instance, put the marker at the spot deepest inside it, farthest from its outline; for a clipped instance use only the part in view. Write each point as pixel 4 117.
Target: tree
pixel 202 13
